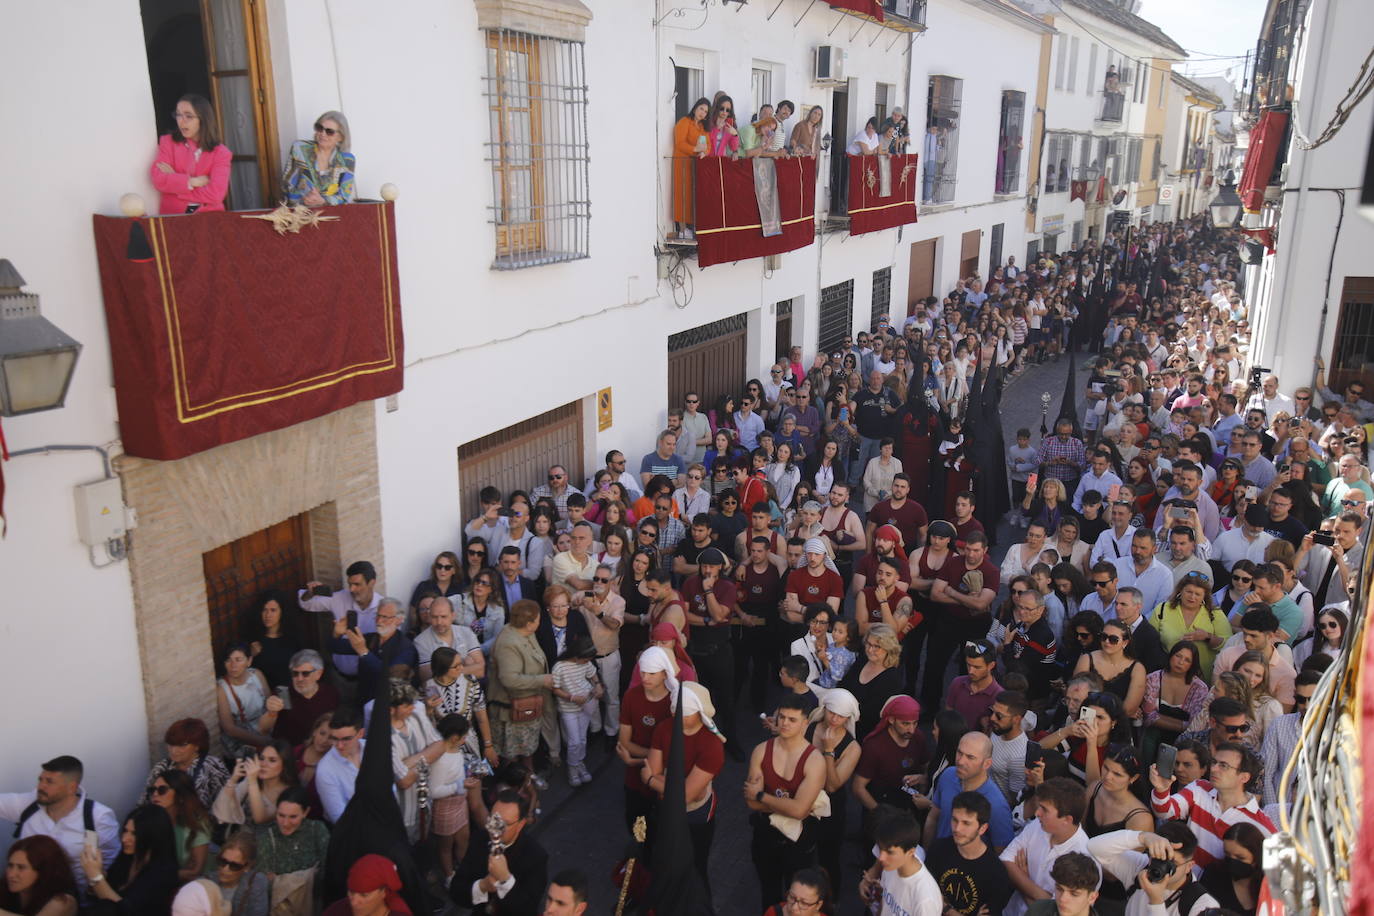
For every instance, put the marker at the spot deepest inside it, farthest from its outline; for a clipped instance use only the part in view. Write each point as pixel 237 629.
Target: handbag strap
pixel 233 694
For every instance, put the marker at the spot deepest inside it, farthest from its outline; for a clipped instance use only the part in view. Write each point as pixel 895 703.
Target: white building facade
pixel 1313 297
pixel 545 318
pixel 1104 119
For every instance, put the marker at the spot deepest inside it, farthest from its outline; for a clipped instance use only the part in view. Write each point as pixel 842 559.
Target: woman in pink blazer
pixel 192 165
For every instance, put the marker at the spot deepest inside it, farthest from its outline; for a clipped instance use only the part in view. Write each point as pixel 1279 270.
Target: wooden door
pixel 240 68
pixel 518 457
pixel 920 283
pixel 710 360
pixel 968 253
pixel 238 573
pixel 782 339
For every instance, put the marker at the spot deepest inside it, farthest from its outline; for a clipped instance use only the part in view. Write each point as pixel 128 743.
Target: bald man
pixel 970 773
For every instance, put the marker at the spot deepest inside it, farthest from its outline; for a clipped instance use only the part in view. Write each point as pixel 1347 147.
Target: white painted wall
pixel 77 138
pixel 1292 325
pixel 484 349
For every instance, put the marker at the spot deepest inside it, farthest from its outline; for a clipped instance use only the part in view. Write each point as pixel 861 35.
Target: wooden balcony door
pixel 237 574
pixel 219 49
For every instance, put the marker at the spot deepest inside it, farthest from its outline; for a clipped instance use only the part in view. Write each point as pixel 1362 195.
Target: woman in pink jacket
pixel 192 165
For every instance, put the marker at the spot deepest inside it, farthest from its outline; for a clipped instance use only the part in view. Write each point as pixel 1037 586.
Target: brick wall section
pixel 327 467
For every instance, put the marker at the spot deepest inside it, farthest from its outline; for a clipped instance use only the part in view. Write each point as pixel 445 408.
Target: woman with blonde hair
pixel 1048 505
pixel 1264 708
pixel 878 678
pixel 319 171
pixel 1189 614
pixel 1235 685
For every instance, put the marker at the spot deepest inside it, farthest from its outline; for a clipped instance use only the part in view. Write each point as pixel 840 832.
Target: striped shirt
pixel 1209 823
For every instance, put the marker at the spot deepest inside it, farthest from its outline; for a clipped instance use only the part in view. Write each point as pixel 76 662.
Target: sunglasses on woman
pixel 327 131
pixel 232 866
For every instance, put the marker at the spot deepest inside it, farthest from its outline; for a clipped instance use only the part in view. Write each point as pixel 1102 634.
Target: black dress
pixel 832 828
pixel 148 894
pixel 871 696
pixel 274 661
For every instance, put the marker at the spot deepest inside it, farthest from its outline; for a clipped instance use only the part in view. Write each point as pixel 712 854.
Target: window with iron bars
pixel 1058 159
pixel 536 94
pixel 882 295
pixel 943 97
pixel 837 315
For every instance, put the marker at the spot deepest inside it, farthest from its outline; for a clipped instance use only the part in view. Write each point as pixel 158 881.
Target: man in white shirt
pixel 898 878
pixel 1100 477
pixel 1059 807
pixel 337 772
pixel 1009 743
pixel 1115 542
pixel 1142 570
pixel 576 568
pixel 59 809
pixel 1270 400
pixel 1246 541
pixel 360 596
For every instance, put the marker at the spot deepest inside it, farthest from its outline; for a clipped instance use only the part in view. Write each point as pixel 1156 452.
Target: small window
pixel 995 247
pixel 1060 61
pixel 761 86
pixel 1352 356
pixel 884 97
pixel 689 84
pixel 1091 83
pixel 1073 64
pixel 1077 232
pixel 536 93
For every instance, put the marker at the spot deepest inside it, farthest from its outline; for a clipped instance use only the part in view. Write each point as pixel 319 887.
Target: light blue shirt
pixel 1156 583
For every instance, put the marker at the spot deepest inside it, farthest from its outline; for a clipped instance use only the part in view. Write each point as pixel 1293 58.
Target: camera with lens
pixel 1257 374
pixel 1159 869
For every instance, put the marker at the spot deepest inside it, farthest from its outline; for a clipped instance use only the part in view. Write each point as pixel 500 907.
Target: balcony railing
pixel 911 12
pixel 1113 106
pixel 1008 171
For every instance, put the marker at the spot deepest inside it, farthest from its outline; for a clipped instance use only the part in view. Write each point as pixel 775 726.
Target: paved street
pixel 582 828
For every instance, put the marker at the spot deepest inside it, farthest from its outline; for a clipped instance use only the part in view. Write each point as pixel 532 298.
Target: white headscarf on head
pixel 842 703
pixel 697 699
pixel 817 545
pixel 655 659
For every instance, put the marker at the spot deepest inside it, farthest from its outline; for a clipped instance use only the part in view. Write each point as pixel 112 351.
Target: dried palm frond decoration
pixel 286 219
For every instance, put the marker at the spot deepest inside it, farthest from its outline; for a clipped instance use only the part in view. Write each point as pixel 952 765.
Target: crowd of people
pixel 1098 724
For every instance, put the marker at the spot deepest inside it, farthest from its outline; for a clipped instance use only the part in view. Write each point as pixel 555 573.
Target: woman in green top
pixel 292 842
pixel 175 792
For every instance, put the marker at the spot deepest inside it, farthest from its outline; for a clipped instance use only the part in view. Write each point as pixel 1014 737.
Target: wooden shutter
pixel 518 457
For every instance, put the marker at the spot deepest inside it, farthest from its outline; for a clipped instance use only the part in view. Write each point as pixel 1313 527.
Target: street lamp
pixel 37 358
pixel 1226 205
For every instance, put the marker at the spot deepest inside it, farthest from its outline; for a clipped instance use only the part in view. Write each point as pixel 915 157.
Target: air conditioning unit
pixel 829 64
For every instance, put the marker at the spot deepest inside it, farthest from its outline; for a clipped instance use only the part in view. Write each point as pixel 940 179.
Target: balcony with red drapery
pixel 1266 142
pixel 882 192
pixel 222 327
pixel 754 207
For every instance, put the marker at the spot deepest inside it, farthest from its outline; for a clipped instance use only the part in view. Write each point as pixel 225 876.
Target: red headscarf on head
pixel 890 533
pixel 899 708
pixel 372 872
pixel 664 631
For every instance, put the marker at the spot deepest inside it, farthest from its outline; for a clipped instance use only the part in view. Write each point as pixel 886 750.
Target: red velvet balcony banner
pixel 870 8
pixel 1265 140
pixel 869 209
pixel 221 329
pixel 728 224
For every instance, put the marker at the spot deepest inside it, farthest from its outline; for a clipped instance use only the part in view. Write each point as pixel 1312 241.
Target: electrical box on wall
pixel 100 513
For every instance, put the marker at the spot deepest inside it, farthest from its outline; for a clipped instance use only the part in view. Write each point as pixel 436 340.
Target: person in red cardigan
pixel 192 165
